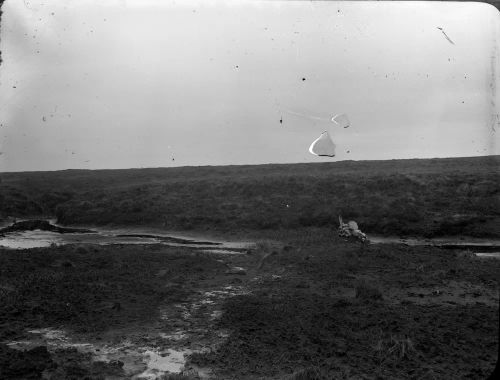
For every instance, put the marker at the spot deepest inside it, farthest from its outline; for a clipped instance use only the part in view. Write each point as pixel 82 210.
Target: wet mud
pixel 44 233
pixel 322 307
pixel 169 239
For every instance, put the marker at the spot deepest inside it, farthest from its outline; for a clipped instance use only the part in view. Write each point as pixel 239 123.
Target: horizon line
pixel 497 156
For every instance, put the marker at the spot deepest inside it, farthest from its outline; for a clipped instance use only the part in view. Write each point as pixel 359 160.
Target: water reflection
pixel 30 239
pixel 39 238
pixel 488 248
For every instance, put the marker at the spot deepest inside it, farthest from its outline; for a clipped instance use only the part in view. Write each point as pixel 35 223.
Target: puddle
pixel 223 251
pixel 30 239
pixel 169 361
pixel 480 247
pixel 195 327
pixel 141 362
pixel 227 291
pixel 176 336
pixel 102 236
pixel 490 255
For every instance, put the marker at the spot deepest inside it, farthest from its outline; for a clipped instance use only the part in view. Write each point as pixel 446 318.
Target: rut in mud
pixel 183 324
pixel 183 328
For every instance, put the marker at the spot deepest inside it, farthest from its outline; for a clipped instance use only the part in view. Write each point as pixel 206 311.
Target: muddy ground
pixel 306 305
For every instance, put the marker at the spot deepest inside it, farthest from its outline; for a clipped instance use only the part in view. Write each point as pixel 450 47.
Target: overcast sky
pixel 121 84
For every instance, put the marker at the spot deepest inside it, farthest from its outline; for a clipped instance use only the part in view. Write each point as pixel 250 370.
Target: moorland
pixel 422 197
pixel 303 304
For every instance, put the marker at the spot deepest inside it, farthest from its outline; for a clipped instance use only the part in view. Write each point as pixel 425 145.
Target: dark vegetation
pixel 61 364
pixel 339 312
pixel 93 288
pixel 424 197
pixel 28 364
pixel 276 336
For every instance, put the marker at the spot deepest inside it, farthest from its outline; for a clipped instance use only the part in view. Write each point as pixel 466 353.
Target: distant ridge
pixel 491 158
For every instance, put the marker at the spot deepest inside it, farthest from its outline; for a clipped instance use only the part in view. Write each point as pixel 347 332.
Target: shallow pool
pixel 39 238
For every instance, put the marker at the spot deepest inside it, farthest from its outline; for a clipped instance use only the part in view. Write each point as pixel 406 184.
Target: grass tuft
pixel 395 348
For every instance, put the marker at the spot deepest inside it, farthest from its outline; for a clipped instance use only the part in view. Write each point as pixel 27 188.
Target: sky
pixel 98 84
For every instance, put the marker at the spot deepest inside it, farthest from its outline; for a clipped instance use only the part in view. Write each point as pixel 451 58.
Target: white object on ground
pixel 353 225
pixel 349 229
